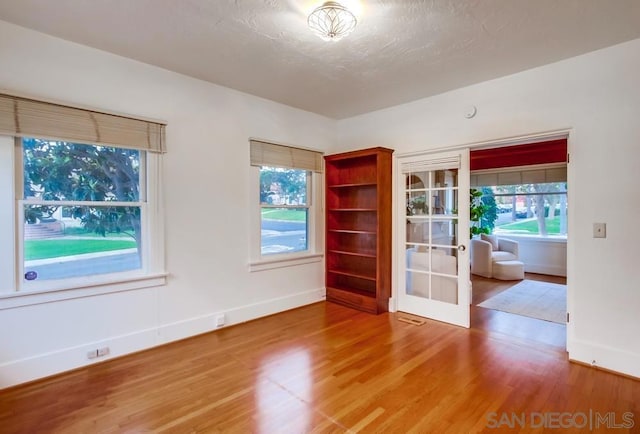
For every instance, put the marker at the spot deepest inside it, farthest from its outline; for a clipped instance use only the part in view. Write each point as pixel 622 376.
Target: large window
pixel 79 207
pixel 287 193
pixel 524 188
pixel 82 209
pixel 527 209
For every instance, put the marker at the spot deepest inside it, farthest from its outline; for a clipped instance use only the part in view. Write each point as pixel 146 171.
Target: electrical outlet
pixel 220 320
pixel 599 230
pixel 100 352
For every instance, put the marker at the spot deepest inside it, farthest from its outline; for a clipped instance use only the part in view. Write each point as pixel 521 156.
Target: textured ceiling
pixel 401 50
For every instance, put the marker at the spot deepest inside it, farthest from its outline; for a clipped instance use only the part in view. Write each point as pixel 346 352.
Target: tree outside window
pixel 82 208
pixel 530 209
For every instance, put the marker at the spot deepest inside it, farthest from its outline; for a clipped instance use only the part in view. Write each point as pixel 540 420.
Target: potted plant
pixel 418 205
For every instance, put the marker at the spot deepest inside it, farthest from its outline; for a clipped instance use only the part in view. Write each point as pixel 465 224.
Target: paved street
pixel 278 236
pixel 86 267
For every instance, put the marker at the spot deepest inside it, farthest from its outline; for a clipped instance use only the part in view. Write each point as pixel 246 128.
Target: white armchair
pixel 483 256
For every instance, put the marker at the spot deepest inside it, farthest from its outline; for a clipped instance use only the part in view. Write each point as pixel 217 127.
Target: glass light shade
pixel 332 21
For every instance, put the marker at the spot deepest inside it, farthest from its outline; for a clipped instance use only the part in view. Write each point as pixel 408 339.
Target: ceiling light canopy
pixel 332 21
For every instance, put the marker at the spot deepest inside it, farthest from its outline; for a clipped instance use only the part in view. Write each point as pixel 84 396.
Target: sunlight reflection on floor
pixel 284 382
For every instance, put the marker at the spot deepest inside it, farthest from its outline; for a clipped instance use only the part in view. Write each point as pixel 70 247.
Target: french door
pixel 433 236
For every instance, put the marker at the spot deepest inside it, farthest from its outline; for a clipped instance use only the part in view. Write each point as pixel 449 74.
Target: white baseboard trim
pixel 51 363
pixel 43 365
pixel 605 357
pixel 206 323
pixel 551 270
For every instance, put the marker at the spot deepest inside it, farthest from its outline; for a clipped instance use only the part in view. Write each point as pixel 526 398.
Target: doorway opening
pixel 518 260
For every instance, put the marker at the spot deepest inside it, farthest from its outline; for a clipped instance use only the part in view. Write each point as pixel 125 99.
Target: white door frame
pixel 494 143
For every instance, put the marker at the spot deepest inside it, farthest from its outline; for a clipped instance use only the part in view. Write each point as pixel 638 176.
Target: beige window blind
pixel 25 117
pixel 270 154
pixel 442 163
pixel 516 177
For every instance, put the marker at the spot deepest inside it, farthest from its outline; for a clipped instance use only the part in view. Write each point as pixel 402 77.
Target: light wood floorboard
pixel 321 368
pixel 531 330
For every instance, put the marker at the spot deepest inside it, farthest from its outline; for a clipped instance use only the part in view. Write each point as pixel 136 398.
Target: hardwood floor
pixel 531 330
pixel 322 368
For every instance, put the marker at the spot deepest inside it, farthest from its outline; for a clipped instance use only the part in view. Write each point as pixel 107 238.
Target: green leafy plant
pixel 417 205
pixel 488 219
pixel 477 209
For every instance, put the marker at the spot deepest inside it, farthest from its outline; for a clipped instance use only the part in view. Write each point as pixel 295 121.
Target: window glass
pixel 526 209
pixel 55 170
pixel 284 208
pixel 82 211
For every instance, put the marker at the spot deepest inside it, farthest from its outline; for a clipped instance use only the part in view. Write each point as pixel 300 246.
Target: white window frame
pixel 7 216
pixel 315 225
pixel 15 292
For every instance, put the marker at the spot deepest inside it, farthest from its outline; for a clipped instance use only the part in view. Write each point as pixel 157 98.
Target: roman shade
pixel 23 117
pixel 272 155
pixel 548 152
pixel 525 175
pixel 442 163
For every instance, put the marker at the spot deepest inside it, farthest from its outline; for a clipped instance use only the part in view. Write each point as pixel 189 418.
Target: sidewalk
pixel 70 258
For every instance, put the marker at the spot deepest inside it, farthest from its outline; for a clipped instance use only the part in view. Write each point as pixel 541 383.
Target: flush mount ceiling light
pixel 332 21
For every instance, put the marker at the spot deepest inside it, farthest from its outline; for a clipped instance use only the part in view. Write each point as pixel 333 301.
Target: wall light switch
pixel 599 230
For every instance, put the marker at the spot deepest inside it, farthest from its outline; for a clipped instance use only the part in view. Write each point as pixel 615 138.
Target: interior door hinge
pixel 567 317
pixel 568 157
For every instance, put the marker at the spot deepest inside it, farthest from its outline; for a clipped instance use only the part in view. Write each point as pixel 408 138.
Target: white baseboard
pixel 608 358
pixel 47 364
pixel 206 323
pixel 551 270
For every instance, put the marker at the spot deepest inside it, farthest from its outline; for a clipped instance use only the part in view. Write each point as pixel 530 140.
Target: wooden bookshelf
pixel 358 229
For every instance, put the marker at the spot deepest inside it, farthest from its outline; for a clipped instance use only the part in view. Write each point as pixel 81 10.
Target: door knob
pixel 462 247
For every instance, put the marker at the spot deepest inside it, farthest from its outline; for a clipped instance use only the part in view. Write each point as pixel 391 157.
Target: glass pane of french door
pixel 432 235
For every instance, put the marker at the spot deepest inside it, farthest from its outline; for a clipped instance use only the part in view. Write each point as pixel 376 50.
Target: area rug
pixel 541 300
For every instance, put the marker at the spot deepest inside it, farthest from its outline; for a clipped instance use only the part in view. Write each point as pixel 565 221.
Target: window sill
pixel 10 300
pixel 534 238
pixel 269 264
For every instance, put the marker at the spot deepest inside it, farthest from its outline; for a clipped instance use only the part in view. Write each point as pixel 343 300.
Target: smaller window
pixel 285 219
pixel 284 210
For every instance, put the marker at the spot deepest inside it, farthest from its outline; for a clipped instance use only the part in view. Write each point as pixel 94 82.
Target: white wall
pixel 597 96
pixel 542 255
pixel 206 198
